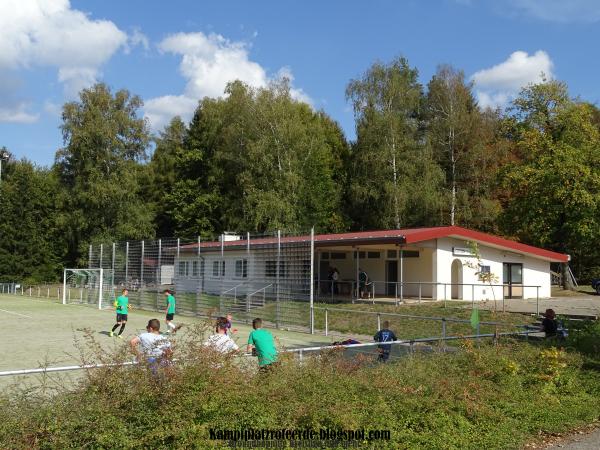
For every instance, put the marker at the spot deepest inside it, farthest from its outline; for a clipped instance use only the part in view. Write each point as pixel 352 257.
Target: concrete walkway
pixel 585 305
pixel 589 441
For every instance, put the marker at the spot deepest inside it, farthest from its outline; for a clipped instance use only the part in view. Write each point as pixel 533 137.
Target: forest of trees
pixel 258 160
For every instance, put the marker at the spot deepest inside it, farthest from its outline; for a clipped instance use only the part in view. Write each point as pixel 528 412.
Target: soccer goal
pixel 92 287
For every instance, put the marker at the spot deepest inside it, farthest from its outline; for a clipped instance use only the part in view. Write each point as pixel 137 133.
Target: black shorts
pixel 121 317
pixel 170 316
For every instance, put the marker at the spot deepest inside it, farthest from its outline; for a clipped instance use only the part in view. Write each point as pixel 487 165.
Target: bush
pixel 489 397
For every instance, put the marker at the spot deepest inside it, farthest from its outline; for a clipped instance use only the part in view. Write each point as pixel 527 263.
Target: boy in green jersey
pixel 122 306
pixel 261 343
pixel 170 312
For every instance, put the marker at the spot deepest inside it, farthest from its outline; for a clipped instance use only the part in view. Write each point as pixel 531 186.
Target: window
pixel 339 255
pixel 373 255
pixel 241 268
pixel 513 273
pixel 183 268
pixel 325 255
pixel 306 268
pixel 215 268
pixel 194 269
pixel 483 270
pixel 392 254
pixel 410 253
pixel 271 269
pixel 361 255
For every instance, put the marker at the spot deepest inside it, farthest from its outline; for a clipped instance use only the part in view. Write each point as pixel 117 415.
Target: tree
pixel 554 187
pixel 31 247
pixel 258 160
pixel 105 140
pixel 462 141
pixel 395 181
pixel 162 175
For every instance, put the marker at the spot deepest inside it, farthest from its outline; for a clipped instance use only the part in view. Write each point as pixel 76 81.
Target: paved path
pixel 589 441
pixel 585 305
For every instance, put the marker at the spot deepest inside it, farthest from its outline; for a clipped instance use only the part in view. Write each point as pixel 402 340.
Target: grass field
pixel 40 332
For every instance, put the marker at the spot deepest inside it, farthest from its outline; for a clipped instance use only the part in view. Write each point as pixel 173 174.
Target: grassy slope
pixel 493 397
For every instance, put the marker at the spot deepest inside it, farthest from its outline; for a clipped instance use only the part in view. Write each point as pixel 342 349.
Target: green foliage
pixel 489 397
pixel 99 169
pixel 463 141
pixel 554 187
pixel 258 160
pixel 31 246
pixel 394 181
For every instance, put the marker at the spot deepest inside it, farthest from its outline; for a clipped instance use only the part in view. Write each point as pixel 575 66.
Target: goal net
pixel 94 287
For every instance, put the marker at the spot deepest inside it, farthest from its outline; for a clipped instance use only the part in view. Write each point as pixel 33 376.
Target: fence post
pixel 445 295
pixel 30 291
pixel 444 328
pixel 277 304
pixel 58 296
pixel 200 278
pixel 312 284
pixel 39 292
pixel 396 293
pixel 326 322
pixel 159 281
pixel 420 290
pixel 48 293
pixel 127 264
pixel 503 306
pixel 477 332
pixel 537 300
pixel 472 296
pixel 378 321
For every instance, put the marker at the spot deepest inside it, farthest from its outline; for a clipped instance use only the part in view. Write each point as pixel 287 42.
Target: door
pixel 512 278
pixel 391 271
pixel 323 274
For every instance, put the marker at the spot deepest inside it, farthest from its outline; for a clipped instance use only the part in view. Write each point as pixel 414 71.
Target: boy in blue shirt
pixel 384 335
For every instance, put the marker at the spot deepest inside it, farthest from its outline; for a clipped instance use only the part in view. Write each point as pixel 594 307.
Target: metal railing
pixel 443 320
pixel 300 352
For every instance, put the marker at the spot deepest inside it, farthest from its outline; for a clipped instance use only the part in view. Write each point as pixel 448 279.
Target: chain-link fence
pixel 246 275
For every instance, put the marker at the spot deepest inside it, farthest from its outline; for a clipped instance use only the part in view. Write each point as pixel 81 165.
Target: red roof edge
pixel 460 232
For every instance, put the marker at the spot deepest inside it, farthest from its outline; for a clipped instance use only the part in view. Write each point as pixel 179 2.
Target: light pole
pixel 4 156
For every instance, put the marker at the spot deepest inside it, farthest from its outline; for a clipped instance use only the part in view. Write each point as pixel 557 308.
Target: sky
pixel 174 53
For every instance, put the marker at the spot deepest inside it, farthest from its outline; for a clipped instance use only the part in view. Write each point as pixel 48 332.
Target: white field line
pixel 16 314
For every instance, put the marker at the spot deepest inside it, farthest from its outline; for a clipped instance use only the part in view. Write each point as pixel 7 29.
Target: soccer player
pixel 220 341
pixel 261 341
pixel 384 335
pixel 170 312
pixel 229 319
pixel 121 305
pixel 155 349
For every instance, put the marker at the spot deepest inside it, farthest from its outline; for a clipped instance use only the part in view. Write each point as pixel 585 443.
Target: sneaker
pixel 111 334
pixel 119 336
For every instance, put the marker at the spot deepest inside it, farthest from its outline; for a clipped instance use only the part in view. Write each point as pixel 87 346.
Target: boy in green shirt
pixel 262 342
pixel 170 312
pixel 122 307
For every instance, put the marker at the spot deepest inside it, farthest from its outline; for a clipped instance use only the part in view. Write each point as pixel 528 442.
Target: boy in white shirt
pixel 151 346
pixel 220 341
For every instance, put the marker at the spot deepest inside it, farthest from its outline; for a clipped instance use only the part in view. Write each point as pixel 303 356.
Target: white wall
pixel 535 271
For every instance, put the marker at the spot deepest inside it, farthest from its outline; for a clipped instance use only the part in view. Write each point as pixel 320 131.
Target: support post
pixel 401 276
pixel 64 299
pixel 312 284
pixel 326 322
pixel 127 264
pixel 537 300
pixel 142 269
pixel 158 275
pixel 101 254
pixel 277 305
pixel 101 288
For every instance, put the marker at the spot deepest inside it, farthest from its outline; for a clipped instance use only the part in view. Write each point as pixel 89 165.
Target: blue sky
pixel 173 53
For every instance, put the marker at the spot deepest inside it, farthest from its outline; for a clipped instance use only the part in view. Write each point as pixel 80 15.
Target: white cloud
pixel 208 63
pixel 497 85
pixel 160 110
pixel 137 38
pixel 560 10
pixel 17 114
pixel 49 33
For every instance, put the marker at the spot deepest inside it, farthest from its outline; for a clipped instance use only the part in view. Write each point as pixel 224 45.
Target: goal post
pixel 93 287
